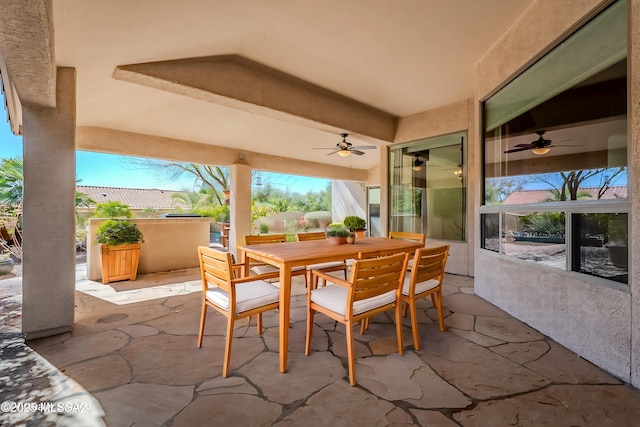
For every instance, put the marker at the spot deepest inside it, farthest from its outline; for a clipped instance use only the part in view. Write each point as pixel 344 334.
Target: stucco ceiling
pixel 401 57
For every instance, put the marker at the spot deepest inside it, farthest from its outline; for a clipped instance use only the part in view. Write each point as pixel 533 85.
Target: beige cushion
pixel 265 269
pixel 335 299
pixel 420 287
pixel 248 295
pixel 323 265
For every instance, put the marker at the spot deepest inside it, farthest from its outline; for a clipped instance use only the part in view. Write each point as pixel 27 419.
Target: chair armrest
pixel 266 276
pixel 237 270
pixel 329 278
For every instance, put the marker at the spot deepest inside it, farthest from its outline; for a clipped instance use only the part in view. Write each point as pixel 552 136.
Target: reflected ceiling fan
pixel 344 148
pixel 539 147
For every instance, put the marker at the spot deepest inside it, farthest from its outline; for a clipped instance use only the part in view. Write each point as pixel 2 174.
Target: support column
pixel 240 209
pixel 633 142
pixel 48 275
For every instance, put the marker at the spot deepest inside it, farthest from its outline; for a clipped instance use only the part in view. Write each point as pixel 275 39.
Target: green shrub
pixel 354 223
pixel 264 228
pixel 113 209
pixel 116 232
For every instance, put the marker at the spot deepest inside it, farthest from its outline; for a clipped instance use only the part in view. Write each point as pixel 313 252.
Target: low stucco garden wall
pixel 169 244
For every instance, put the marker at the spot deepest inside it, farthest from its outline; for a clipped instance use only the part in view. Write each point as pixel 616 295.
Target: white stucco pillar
pixel 240 209
pixel 48 275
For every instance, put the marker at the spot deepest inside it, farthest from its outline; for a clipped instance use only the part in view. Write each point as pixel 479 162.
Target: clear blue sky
pixel 109 170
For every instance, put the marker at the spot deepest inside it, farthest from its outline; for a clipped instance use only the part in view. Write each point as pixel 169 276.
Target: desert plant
pixel 11 230
pixel 112 209
pixel 116 232
pixel 354 223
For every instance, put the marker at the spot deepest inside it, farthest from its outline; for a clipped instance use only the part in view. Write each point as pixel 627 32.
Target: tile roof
pixel 136 198
pixel 538 196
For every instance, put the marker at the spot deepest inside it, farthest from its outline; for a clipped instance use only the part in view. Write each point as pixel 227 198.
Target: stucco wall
pixel 592 320
pixel 169 244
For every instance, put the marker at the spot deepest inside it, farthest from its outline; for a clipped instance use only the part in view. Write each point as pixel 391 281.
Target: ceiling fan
pixel 417 163
pixel 344 148
pixel 540 146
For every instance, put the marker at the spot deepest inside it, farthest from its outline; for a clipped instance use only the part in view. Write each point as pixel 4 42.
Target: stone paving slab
pixel 140 360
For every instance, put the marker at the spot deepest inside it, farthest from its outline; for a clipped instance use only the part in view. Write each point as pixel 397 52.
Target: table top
pixel 301 253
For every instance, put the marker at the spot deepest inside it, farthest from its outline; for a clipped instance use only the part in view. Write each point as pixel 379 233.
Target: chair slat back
pixel 265 238
pixel 260 239
pixel 215 268
pixel 429 263
pixel 404 235
pixel 376 276
pixel 316 235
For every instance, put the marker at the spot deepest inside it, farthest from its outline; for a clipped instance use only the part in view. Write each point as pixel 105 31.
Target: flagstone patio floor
pixel 132 360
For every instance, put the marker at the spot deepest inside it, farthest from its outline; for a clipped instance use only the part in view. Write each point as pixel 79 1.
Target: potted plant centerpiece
pixel 337 234
pixel 121 240
pixel 355 224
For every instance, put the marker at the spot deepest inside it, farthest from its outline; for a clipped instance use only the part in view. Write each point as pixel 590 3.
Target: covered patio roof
pixel 267 81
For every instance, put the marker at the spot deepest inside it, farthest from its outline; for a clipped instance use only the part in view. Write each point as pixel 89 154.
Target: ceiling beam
pixel 97 139
pixel 237 82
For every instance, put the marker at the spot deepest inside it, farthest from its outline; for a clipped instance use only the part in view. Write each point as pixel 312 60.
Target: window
pixel 428 190
pixel 555 156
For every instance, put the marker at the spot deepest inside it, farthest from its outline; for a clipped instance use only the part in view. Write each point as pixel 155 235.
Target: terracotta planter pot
pixel 359 233
pixel 120 262
pixel 337 240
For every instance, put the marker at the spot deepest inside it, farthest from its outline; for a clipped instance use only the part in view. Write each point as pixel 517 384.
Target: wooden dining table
pixel 288 255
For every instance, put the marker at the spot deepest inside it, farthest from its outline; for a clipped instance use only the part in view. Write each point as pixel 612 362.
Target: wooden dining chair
pixel 374 287
pixel 234 298
pixel 425 280
pixel 405 235
pixel 259 267
pixel 326 267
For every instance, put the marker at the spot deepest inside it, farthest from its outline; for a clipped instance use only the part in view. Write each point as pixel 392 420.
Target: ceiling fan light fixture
pixel 417 168
pixel 540 150
pixel 344 152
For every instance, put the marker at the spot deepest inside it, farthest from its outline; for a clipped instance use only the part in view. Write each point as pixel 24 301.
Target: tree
pixel 498 189
pixel 210 178
pixel 113 209
pixel 566 185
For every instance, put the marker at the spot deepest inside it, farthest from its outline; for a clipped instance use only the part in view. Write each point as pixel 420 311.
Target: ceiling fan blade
pixel 333 152
pixel 527 146
pixel 515 150
pixel 322 148
pixel 358 152
pixel 364 147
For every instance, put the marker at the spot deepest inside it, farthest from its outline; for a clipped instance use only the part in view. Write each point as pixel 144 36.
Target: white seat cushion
pixel 335 299
pixel 265 269
pixel 324 265
pixel 420 287
pixel 248 295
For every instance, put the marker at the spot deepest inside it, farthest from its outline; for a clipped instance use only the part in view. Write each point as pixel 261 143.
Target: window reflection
pixel 428 190
pixel 602 245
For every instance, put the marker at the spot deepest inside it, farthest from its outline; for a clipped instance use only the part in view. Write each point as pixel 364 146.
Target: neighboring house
pixel 142 202
pixel 537 196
